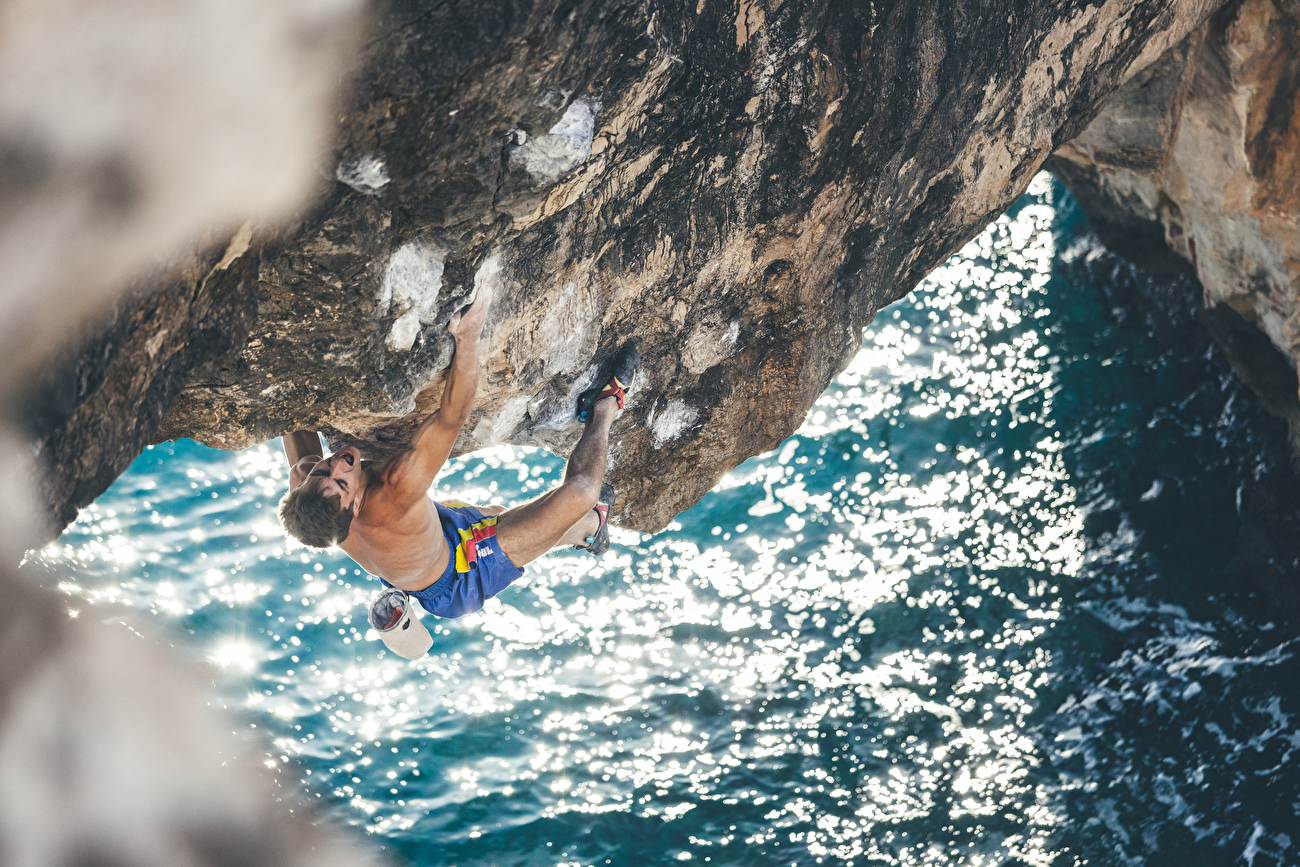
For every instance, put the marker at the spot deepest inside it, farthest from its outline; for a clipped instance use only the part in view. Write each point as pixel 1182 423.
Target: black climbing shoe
pixel 626 367
pixel 598 543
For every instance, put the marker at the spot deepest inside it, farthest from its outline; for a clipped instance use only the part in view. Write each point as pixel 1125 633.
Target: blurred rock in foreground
pixel 129 131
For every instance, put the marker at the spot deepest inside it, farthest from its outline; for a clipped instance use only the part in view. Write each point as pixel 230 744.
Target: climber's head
pixel 319 512
pixel 314 519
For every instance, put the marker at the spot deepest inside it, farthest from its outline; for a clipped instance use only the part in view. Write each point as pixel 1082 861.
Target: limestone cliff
pixel 1195 164
pixel 738 186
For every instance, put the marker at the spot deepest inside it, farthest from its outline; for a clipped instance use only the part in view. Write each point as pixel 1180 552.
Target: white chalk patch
pixel 401 336
pixel 365 174
pixel 706 347
pixel 410 287
pixel 492 430
pixel 728 340
pixel 488 274
pixel 546 157
pixel 571 328
pixel 675 420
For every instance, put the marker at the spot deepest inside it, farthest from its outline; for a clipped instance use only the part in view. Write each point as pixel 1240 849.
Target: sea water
pixel 975 611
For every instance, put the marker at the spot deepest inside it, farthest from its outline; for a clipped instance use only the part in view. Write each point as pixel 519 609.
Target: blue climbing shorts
pixel 477 569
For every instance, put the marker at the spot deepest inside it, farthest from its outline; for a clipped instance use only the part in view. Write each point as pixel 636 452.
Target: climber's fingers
pixel 468 321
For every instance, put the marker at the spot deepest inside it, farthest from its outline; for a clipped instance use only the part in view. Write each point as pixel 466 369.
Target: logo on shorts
pixel 484 551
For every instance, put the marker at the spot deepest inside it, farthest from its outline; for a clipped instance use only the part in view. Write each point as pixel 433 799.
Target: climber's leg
pixel 566 515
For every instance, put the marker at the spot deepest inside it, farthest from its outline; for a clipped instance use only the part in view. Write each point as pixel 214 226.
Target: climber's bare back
pixel 399 541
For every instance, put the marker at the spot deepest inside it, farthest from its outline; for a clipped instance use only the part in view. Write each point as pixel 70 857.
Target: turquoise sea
pixel 984 608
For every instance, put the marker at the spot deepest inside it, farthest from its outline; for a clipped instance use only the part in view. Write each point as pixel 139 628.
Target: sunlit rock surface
pixel 1195 164
pixel 739 188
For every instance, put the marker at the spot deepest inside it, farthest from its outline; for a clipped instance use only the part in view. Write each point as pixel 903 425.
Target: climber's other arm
pixel 304 451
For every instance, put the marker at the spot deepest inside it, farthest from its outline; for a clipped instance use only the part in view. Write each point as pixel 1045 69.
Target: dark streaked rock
pixel 101 397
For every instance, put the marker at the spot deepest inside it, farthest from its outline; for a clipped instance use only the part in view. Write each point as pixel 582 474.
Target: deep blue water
pixel 984 608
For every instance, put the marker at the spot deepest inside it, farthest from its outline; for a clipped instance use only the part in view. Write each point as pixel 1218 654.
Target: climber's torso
pixel 403 543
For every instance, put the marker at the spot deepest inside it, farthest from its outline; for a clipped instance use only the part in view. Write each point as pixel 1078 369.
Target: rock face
pixel 136 356
pixel 737 186
pixel 128 136
pixel 119 146
pixel 1195 164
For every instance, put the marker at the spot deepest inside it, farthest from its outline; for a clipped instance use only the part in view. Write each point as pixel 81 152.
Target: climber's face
pixel 339 475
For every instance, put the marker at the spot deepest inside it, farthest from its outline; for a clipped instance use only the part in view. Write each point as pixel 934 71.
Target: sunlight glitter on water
pixel 840 654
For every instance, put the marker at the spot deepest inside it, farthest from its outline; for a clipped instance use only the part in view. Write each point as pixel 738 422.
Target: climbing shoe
pixel 598 542
pixel 626 367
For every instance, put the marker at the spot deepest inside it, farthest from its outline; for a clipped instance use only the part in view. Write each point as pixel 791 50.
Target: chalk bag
pixel 393 616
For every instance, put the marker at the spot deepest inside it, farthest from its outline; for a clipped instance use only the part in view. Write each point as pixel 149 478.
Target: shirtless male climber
pixel 451 556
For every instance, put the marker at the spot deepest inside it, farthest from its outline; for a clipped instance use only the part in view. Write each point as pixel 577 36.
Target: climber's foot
pixel 625 369
pixel 598 542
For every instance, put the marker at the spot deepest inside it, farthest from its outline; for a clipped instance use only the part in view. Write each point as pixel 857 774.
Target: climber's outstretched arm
pixel 299 445
pixel 412 474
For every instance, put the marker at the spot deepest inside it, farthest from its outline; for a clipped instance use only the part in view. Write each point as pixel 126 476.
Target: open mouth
pixel 347 456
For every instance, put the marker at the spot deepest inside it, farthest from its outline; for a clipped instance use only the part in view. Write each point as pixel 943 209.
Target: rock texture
pixel 103 175
pixel 99 400
pixel 119 147
pixel 739 186
pixel 1195 164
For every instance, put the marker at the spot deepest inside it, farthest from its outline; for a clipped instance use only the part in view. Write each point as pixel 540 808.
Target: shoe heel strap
pixel 613 389
pixel 602 512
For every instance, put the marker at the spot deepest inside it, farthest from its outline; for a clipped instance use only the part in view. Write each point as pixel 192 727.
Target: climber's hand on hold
pixel 467 323
pixel 412 473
